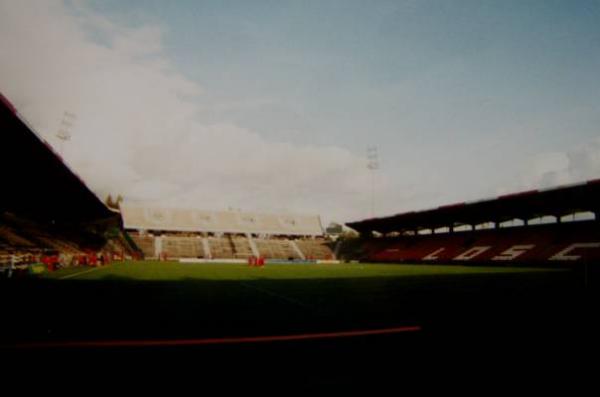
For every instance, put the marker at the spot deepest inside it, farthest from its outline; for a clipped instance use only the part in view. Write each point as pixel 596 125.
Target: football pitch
pixel 171 300
pixel 336 317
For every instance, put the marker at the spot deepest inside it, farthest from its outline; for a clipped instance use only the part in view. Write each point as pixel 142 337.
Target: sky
pixel 271 105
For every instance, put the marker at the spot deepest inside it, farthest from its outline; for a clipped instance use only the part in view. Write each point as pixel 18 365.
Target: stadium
pixel 165 278
pixel 316 197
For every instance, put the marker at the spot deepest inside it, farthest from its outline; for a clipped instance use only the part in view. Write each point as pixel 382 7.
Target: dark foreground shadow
pixel 479 317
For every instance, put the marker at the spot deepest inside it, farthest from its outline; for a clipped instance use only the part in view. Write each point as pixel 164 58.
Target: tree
pixel 334 228
pixel 114 204
pixel 109 202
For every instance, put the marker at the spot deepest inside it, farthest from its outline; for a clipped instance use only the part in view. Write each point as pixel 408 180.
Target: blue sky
pixel 391 73
pixel 392 67
pixel 464 99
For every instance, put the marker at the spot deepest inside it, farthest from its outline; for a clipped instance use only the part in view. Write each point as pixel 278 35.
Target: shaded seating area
pixel 532 245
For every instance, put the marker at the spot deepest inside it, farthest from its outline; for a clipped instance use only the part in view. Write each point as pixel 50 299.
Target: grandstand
pixel 545 227
pixel 72 221
pixel 49 212
pixel 229 235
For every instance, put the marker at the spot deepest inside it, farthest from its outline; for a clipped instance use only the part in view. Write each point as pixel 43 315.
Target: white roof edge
pixel 238 231
pixel 140 205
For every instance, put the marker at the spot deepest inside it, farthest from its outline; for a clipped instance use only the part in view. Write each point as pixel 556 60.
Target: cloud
pixel 138 131
pixel 577 164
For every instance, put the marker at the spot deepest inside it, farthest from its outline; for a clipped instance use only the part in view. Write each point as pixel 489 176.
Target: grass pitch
pixel 171 271
pixel 459 309
pixel 151 299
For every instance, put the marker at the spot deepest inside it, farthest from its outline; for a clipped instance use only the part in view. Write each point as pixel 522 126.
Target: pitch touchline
pixel 80 273
pixel 217 341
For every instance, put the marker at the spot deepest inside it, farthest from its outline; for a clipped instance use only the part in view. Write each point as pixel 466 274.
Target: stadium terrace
pixel 73 227
pixel 541 227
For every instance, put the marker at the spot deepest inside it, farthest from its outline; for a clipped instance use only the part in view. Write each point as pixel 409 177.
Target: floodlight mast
pixel 372 166
pixel 64 132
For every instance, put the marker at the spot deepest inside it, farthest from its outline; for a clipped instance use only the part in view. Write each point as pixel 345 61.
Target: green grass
pixel 152 299
pixel 487 309
pixel 171 271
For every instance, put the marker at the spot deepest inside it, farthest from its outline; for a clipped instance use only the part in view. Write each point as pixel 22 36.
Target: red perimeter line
pixel 214 341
